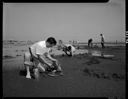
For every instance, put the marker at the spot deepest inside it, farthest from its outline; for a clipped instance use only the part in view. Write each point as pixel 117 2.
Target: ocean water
pixel 106 44
pixel 19 49
pixel 12 50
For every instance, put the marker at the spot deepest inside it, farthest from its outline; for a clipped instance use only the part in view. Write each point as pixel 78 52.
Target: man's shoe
pixel 28 76
pixel 59 73
pixel 52 74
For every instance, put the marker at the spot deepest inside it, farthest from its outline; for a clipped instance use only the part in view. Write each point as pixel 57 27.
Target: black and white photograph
pixel 64 49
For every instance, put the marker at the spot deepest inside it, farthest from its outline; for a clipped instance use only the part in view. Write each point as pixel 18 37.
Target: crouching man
pixel 39 57
pixel 68 49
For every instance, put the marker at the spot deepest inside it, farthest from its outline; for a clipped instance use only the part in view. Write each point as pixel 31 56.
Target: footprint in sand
pixel 117 77
pixel 105 75
pixel 87 72
pixel 99 74
pixel 93 60
pixel 18 55
pixel 96 75
pixel 8 57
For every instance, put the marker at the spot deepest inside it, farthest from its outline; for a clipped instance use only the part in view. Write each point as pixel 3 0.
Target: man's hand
pixel 50 65
pixel 57 62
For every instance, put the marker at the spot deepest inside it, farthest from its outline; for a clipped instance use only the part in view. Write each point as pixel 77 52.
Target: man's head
pixel 100 34
pixel 69 48
pixel 50 42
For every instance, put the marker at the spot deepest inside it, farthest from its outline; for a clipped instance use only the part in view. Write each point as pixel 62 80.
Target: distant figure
pixel 59 47
pixel 90 44
pixel 102 40
pixel 67 48
pixel 39 57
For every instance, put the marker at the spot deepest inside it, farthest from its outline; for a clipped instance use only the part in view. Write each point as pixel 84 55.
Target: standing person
pixel 40 57
pixel 102 40
pixel 90 44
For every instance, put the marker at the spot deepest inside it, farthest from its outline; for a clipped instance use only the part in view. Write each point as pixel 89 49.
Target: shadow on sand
pixel 8 57
pixel 103 75
pixel 23 72
pixel 92 60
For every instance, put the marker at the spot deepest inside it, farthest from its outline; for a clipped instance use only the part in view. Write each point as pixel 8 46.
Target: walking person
pixel 102 40
pixel 90 44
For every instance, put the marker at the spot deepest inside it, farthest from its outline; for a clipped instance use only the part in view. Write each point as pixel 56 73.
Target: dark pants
pixel 31 55
pixel 33 59
pixel 102 44
pixel 90 44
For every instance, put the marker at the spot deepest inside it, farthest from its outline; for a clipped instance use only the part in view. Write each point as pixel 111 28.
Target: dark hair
pixel 69 48
pixel 51 40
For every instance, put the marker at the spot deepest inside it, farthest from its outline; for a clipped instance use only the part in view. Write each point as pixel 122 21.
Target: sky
pixel 65 21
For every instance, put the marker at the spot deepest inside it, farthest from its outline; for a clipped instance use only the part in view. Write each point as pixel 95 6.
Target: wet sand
pixel 84 76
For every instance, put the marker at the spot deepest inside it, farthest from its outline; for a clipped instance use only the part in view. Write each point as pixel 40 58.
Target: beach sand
pixel 84 75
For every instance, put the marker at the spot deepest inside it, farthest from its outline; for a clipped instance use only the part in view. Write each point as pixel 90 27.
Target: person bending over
pixel 39 54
